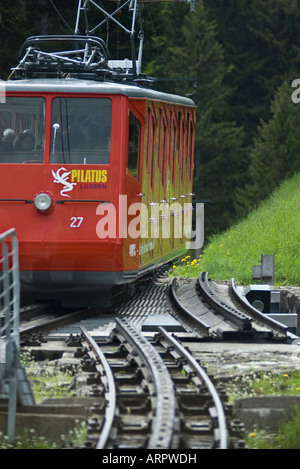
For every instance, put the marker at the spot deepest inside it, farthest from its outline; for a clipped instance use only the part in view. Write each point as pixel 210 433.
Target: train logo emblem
pixel 63 179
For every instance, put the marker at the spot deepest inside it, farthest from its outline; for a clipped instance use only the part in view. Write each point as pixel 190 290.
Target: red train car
pixel 96 177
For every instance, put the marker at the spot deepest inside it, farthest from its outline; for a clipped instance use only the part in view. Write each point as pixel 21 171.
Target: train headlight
pixel 43 202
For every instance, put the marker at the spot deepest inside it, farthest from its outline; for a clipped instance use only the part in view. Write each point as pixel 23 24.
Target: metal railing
pixel 9 287
pixel 9 325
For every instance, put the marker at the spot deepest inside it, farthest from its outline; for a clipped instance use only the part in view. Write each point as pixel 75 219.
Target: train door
pixel 173 186
pixel 79 176
pixel 134 188
pixel 154 217
pixel 183 169
pixel 80 142
pixel 147 241
pixel 22 123
pixel 164 212
pixel 189 163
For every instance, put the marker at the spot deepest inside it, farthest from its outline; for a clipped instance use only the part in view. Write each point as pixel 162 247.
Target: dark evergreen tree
pixel 196 54
pixel 276 151
pixel 23 18
pixel 13 21
pixel 260 40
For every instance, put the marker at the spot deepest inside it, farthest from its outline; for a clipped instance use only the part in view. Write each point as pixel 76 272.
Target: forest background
pixel 236 58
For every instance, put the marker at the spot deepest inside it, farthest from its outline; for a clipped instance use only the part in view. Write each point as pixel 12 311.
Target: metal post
pixel 266 271
pixel 9 325
pixel 11 376
pixel 16 291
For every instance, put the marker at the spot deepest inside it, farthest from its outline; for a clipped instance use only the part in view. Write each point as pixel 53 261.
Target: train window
pixel 150 137
pixel 154 161
pixel 191 150
pixel 183 150
pixel 81 129
pixel 171 131
pixel 188 141
pixel 134 146
pixel 174 150
pixel 22 129
pixel 162 149
pixel 179 139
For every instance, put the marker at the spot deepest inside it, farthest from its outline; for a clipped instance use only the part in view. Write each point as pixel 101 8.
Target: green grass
pixel 287 437
pixel 47 381
pixel 30 440
pixel 273 228
pixel 264 383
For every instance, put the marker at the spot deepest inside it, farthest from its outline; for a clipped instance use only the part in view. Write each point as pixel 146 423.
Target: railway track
pixel 204 308
pixel 149 391
pixel 153 395
pixel 142 385
pixel 220 312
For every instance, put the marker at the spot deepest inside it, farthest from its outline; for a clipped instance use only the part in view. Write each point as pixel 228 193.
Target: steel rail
pixel 163 421
pixel 54 320
pixel 104 370
pixel 241 320
pixel 257 315
pixel 202 376
pixel 185 313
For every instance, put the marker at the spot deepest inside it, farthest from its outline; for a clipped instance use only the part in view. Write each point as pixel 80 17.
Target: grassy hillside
pixel 273 228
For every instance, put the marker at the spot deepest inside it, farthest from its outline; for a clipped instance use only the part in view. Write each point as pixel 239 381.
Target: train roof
pixel 74 85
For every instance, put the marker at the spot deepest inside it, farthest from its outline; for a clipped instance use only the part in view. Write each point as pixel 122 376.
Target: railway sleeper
pixel 97 391
pixel 179 379
pixel 132 405
pixel 194 411
pixel 94 425
pixel 98 408
pixel 188 389
pixel 194 443
pixel 199 424
pixel 177 365
pixel 133 398
pixel 131 376
pixel 199 435
pixel 130 442
pixel 134 424
pixel 93 378
pixel 193 400
pixel 237 428
pixel 75 340
pixel 112 349
pixel 118 365
pixel 132 379
pixel 88 364
pixel 222 395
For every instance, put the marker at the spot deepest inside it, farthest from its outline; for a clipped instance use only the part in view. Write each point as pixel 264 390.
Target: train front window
pixel 22 130
pixel 81 129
